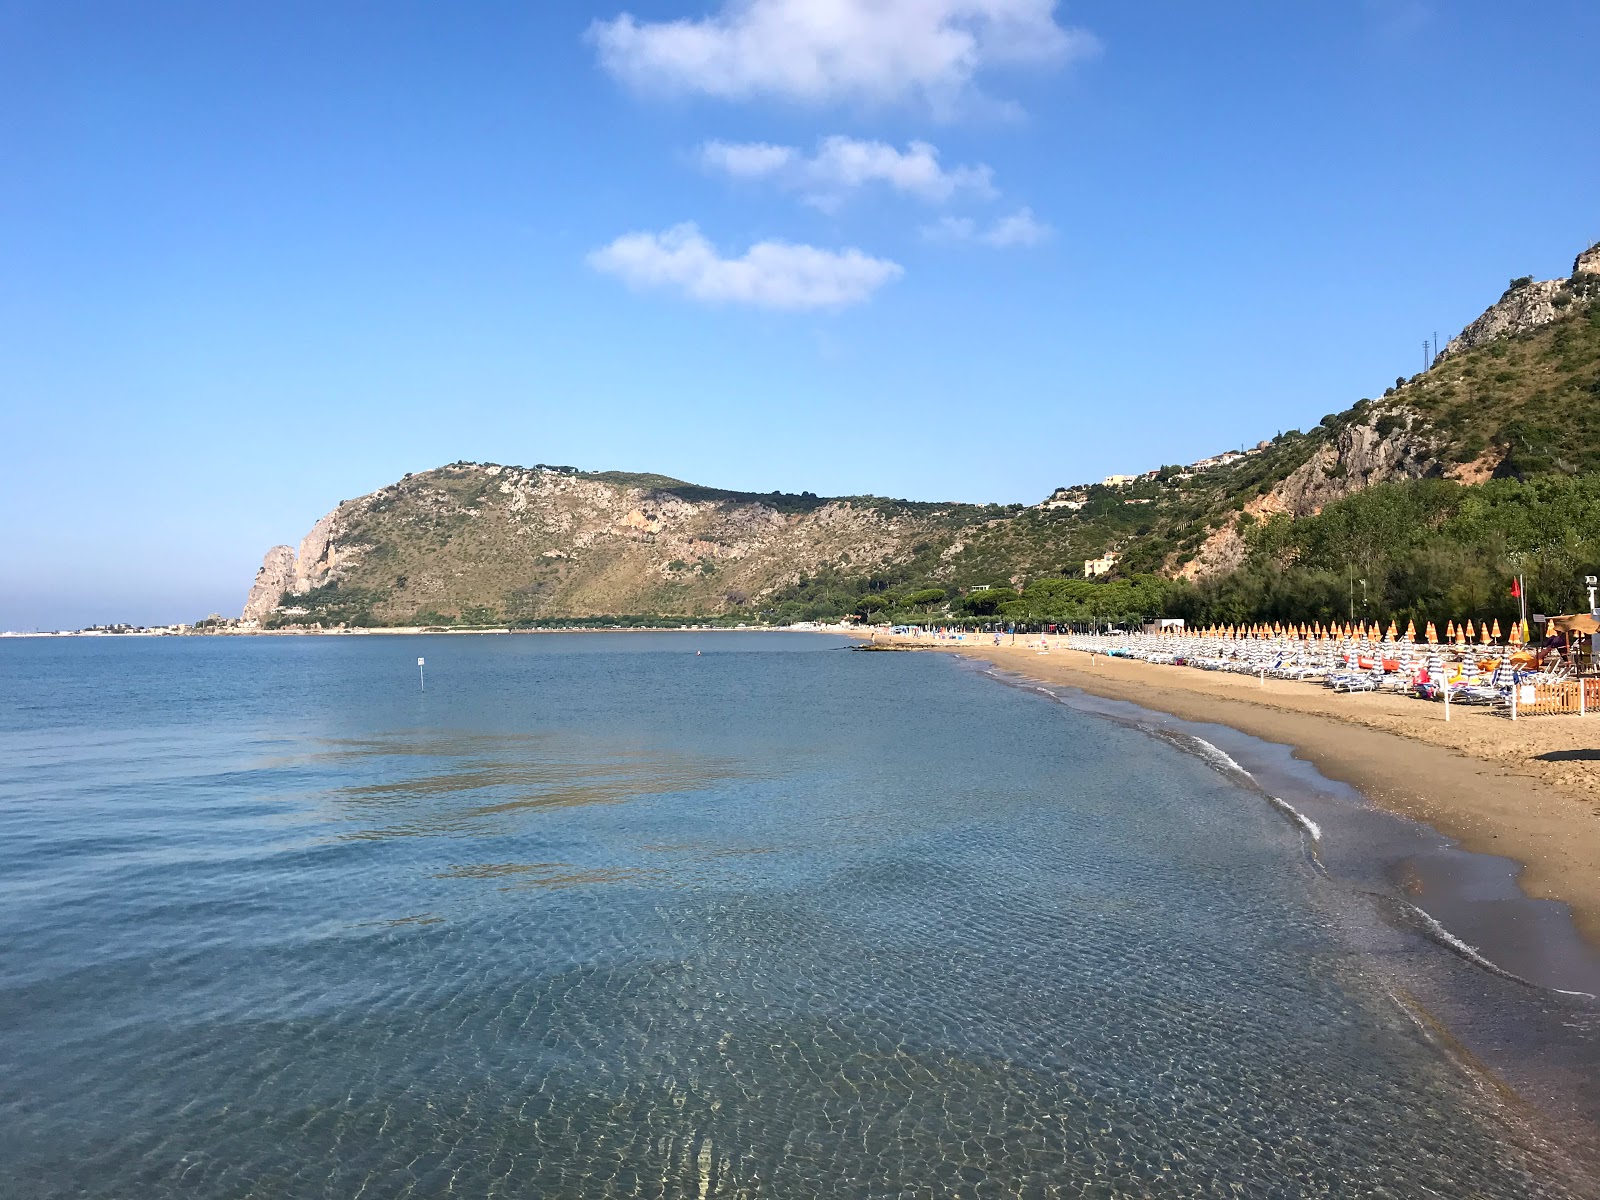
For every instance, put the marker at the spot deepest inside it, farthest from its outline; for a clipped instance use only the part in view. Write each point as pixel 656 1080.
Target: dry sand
pixel 1528 790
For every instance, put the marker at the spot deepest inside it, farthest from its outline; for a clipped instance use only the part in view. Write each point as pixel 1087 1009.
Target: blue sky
pixel 258 259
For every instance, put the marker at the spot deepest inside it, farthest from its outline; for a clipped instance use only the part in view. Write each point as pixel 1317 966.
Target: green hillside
pixel 1505 443
pixel 1419 503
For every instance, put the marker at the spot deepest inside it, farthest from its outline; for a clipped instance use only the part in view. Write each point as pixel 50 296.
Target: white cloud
pixel 843 164
pixel 1021 228
pixel 746 160
pixel 781 275
pixel 951 229
pixel 826 51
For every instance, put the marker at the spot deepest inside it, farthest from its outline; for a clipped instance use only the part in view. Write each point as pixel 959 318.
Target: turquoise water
pixel 595 915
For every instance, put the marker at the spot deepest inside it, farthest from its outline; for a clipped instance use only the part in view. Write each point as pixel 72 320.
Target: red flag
pixel 1516 589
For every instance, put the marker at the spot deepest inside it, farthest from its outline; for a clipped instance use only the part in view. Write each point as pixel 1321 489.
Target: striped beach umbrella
pixel 1495 632
pixel 1432 635
pixel 1449 631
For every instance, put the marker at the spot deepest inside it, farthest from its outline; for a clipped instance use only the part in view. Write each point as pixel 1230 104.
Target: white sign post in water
pixel 420 678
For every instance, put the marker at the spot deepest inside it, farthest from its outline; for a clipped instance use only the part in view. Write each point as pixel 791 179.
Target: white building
pixel 1093 567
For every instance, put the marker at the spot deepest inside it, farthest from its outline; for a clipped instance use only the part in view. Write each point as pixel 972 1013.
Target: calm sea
pixel 671 915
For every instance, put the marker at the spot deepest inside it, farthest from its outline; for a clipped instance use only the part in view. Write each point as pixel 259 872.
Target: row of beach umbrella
pixel 1457 634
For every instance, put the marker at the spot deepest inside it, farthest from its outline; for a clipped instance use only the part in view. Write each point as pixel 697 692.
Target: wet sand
pixel 1528 791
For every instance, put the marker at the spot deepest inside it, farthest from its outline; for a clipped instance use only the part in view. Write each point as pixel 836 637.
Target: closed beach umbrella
pixel 1495 632
pixel 1432 635
pixel 1411 631
pixel 1516 633
pixel 1449 631
pixel 1483 635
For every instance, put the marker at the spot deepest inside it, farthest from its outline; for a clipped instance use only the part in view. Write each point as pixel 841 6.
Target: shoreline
pixel 1477 781
pixel 427 631
pixel 1505 985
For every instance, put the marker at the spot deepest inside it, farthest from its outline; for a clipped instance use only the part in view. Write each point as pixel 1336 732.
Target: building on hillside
pixel 1118 480
pixel 1093 567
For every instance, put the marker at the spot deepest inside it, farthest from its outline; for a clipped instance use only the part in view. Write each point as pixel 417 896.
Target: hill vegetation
pixel 1421 503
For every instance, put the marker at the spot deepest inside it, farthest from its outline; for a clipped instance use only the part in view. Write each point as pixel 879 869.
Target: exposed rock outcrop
pixel 318 556
pixel 275 578
pixel 1521 310
pixel 511 543
pixel 1528 304
pixel 1357 458
pixel 1222 551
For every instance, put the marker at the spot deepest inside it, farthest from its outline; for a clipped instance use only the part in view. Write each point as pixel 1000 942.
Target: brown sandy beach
pixel 1522 790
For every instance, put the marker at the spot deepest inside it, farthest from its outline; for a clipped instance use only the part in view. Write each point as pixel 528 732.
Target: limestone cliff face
pixel 318 554
pixel 1388 447
pixel 275 577
pixel 1358 457
pixel 498 543
pixel 1530 306
pixel 1520 310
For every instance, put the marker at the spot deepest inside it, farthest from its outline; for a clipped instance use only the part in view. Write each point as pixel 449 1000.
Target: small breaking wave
pixel 1298 817
pixel 1218 757
pixel 1473 955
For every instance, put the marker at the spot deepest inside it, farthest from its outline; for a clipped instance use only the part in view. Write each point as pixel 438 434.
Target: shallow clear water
pixel 597 916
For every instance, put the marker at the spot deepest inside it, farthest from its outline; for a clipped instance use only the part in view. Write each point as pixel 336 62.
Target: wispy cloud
pixel 747 160
pixel 771 274
pixel 843 164
pixel 829 51
pixel 1021 228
